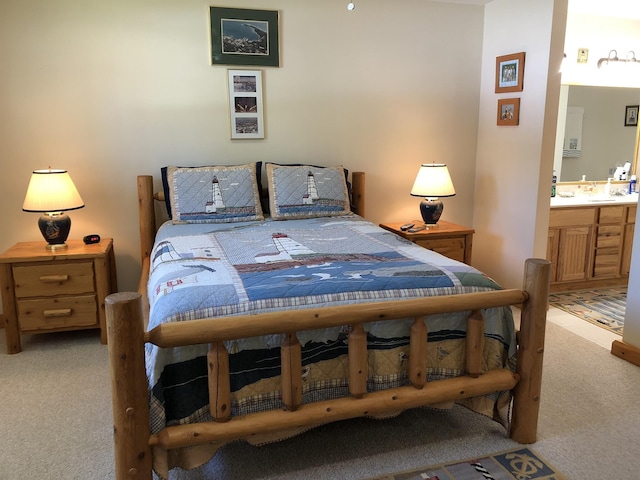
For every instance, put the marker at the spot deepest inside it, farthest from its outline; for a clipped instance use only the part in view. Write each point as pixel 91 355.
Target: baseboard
pixel 626 351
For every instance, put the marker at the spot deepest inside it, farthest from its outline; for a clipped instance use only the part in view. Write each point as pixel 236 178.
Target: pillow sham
pixel 306 191
pixel 167 193
pixel 214 194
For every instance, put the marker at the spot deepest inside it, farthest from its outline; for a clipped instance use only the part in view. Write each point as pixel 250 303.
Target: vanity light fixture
pixel 613 58
pixel 432 182
pixel 52 192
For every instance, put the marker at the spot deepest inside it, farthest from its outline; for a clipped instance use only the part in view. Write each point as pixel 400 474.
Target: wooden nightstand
pixel 54 291
pixel 451 240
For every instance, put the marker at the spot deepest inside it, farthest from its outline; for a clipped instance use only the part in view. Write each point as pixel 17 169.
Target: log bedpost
pixel 129 392
pixel 146 215
pixel 357 192
pixel 526 402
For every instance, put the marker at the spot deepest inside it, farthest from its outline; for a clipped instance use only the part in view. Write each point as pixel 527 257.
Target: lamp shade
pixel 51 191
pixel 433 181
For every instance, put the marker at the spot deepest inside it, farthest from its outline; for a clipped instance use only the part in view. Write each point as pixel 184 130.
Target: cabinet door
pixel 573 253
pixel 552 251
pixel 625 266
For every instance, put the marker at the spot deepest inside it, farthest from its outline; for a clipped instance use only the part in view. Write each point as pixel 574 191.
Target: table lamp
pixel 432 182
pixel 52 192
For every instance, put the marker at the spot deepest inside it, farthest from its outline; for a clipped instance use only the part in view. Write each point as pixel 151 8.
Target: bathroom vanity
pixel 590 240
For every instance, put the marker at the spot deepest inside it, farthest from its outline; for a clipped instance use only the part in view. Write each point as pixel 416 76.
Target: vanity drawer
pixel 607 263
pixel 57 313
pixel 611 214
pixel 609 237
pixel 568 217
pixel 48 280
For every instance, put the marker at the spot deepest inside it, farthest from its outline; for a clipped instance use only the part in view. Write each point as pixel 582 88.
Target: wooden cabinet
pixel 53 291
pixel 451 240
pixel 590 246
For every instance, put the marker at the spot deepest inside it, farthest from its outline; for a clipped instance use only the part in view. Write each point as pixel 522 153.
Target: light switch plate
pixel 583 55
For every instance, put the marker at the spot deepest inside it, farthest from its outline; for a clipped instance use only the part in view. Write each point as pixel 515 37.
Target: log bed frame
pixel 127 316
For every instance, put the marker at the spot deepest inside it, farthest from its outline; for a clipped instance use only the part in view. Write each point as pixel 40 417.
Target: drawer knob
pixel 54 278
pixel 60 312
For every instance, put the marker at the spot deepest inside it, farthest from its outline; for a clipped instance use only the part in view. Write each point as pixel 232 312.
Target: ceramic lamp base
pixel 431 210
pixel 55 229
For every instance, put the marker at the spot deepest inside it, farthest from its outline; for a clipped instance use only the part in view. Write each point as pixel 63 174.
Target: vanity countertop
pixel 593 200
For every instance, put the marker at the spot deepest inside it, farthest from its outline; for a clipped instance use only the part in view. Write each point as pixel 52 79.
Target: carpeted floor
pixel 604 307
pixel 515 464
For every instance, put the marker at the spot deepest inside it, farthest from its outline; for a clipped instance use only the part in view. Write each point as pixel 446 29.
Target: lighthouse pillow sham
pixel 214 194
pixel 306 191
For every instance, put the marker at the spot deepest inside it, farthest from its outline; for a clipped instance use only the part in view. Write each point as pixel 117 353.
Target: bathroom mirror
pixel 596 140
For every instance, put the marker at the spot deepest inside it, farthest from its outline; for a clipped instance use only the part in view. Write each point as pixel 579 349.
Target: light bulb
pixel 351 6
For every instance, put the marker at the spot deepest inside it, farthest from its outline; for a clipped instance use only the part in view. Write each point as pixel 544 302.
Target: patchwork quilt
pixel 212 270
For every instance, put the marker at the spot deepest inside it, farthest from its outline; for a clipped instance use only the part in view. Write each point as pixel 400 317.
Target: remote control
pixel 416 229
pixel 407 226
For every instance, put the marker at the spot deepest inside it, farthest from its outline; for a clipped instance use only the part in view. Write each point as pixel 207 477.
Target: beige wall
pixel 110 90
pixel 510 217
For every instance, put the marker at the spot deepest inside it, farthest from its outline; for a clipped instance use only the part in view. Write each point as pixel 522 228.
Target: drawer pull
pixel 61 312
pixel 54 278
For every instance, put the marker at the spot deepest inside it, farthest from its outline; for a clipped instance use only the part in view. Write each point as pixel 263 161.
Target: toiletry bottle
pixel 632 184
pixel 554 180
pixel 607 188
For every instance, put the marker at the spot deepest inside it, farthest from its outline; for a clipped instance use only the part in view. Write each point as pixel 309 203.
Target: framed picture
pixel 631 116
pixel 509 111
pixel 245 104
pixel 510 73
pixel 244 37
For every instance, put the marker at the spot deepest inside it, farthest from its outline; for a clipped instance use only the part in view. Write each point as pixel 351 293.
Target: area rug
pixel 604 307
pixel 517 464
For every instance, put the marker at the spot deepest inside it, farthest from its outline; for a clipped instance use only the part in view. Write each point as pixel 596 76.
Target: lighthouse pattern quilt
pixel 212 270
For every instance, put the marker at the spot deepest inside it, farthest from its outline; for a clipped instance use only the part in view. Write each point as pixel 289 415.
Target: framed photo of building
pixel 245 104
pixel 241 36
pixel 510 73
pixel 509 111
pixel 631 116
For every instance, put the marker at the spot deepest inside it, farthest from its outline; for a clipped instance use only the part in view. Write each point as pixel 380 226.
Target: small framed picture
pixel 240 36
pixel 509 111
pixel 245 104
pixel 510 73
pixel 631 116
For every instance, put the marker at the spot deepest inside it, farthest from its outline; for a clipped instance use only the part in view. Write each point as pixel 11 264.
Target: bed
pixel 259 326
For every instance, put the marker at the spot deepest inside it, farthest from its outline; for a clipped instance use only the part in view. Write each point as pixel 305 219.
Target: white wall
pixel 110 90
pixel 509 210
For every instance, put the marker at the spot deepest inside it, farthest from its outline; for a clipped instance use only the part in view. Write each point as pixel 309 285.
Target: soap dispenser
pixel 607 188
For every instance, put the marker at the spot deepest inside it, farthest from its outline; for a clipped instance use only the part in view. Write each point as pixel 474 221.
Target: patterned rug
pixel 604 307
pixel 517 464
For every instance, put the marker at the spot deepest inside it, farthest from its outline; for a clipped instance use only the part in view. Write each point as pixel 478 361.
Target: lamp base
pixel 431 210
pixel 55 228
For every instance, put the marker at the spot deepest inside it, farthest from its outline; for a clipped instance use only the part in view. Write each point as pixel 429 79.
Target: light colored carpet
pixel 604 307
pixel 55 422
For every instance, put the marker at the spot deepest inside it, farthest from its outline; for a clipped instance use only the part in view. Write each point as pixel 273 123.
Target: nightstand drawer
pixel 449 247
pixel 57 313
pixel 53 279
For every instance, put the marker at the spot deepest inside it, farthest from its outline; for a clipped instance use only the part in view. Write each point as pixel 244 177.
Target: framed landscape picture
pixel 241 36
pixel 245 104
pixel 510 73
pixel 509 111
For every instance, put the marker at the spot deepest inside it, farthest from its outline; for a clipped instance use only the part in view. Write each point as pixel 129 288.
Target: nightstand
pixel 451 240
pixel 54 291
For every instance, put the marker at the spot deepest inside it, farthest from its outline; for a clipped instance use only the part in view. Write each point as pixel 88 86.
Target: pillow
pixel 306 191
pixel 214 194
pixel 167 194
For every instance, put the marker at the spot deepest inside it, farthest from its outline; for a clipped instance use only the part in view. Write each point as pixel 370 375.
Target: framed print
pixel 510 73
pixel 245 104
pixel 244 37
pixel 509 111
pixel 631 116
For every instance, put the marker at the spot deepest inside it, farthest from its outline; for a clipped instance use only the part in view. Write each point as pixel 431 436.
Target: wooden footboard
pixel 127 337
